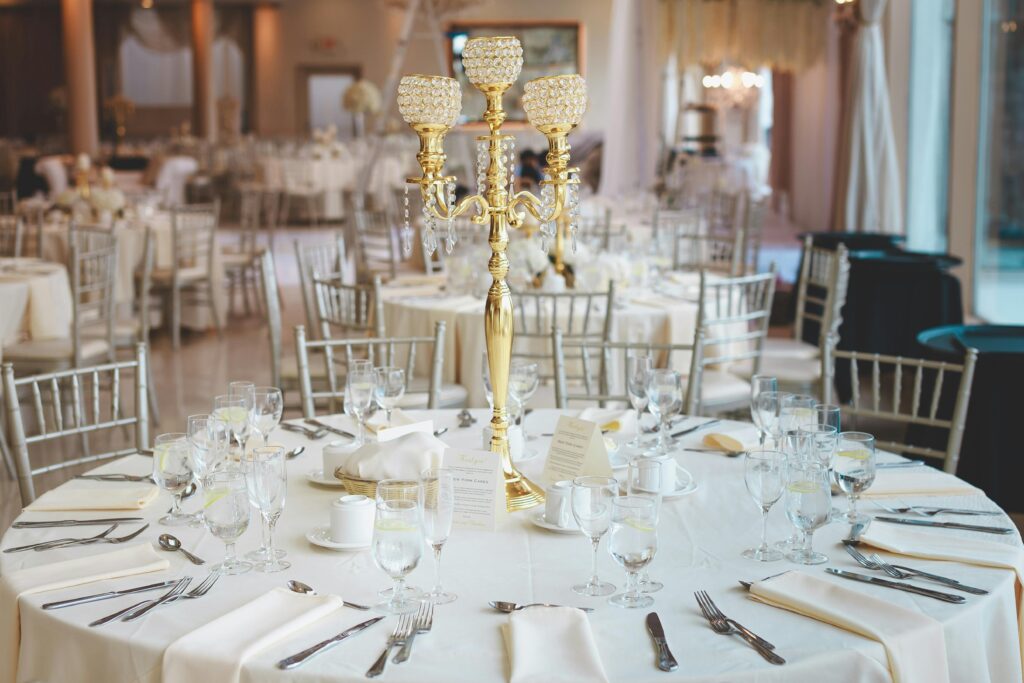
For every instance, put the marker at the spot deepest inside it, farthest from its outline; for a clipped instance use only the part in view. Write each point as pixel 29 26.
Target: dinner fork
pixel 901 572
pixel 177 590
pixel 43 545
pixel 721 624
pixel 197 592
pixel 403 629
pixel 863 561
pixel 104 539
pixel 931 512
pixel 424 622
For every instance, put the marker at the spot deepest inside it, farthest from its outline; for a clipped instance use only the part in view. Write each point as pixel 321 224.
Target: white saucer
pixel 537 519
pixel 685 485
pixel 317 477
pixel 321 536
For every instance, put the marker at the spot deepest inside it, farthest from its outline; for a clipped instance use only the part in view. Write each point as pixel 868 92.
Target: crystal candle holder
pixel 555 101
pixel 490 61
pixel 435 100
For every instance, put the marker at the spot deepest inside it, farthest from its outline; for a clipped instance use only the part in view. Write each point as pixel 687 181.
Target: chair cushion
pixel 290 368
pixel 780 347
pixel 54 350
pixel 239 260
pixel 789 371
pixel 723 388
pixel 163 276
pixel 452 395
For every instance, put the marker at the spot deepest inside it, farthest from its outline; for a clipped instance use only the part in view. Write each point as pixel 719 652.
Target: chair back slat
pixel 193 237
pixel 325 259
pixel 11 234
pixel 348 309
pixel 378 250
pixel 821 294
pixel 272 305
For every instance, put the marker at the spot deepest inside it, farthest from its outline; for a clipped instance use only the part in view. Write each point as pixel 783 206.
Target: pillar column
pixel 80 77
pixel 204 105
pixel 269 100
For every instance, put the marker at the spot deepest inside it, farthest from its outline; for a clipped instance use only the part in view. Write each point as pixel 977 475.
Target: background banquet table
pixel 700 540
pixel 35 300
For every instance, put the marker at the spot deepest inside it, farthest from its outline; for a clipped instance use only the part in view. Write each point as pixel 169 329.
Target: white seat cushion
pixel 722 388
pixel 163 276
pixel 54 350
pixel 779 347
pixel 789 371
pixel 290 368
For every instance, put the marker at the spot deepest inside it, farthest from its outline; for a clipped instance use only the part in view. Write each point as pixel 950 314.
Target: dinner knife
pixel 898 465
pixel 702 425
pixel 116 477
pixel 334 430
pixel 74 522
pixel 666 662
pixel 299 658
pixel 110 594
pixel 947 525
pixel 906 587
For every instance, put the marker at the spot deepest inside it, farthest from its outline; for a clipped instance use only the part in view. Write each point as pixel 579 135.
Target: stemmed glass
pixel 226 513
pixel 524 377
pixel 643 480
pixel 173 470
pixel 808 505
pixel 437 500
pixel 797 410
pixel 827 414
pixel 388 388
pixel 592 509
pixel 267 480
pixel 247 391
pixel 359 388
pixel 638 368
pixel 760 384
pixel 633 544
pixel 665 398
pixel 767 407
pixel 762 473
pixel 398 540
pixel 201 443
pixel 267 410
pixel 233 411
pixel 854 469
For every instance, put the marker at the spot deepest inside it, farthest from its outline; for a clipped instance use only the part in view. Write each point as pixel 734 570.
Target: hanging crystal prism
pixel 511 166
pixel 481 166
pixel 574 207
pixel 429 238
pixel 452 237
pixel 406 227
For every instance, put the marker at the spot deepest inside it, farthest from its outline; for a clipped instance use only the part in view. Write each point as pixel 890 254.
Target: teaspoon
pixel 295 452
pixel 508 607
pixel 305 589
pixel 171 543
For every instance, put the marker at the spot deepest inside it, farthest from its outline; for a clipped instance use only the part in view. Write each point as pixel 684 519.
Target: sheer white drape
pixel 630 154
pixel 868 187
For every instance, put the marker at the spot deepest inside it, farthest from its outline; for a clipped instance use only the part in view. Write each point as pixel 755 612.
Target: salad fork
pixel 901 572
pixel 177 590
pixel 197 592
pixel 102 539
pixel 43 545
pixel 402 631
pixel 424 622
pixel 722 625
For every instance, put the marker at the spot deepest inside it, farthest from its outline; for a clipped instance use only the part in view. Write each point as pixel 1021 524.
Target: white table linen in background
pixel 35 300
pixel 700 540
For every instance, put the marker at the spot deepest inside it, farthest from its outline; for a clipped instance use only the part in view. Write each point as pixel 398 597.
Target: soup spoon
pixel 305 589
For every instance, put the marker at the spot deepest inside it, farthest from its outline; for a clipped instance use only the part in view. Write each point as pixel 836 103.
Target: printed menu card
pixel 479 488
pixel 577 449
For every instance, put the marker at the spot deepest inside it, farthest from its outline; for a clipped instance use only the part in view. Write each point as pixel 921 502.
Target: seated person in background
pixel 531 170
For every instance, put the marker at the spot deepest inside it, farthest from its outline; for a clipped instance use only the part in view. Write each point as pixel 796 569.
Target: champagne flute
pixel 173 470
pixel 797 411
pixel 643 480
pixel 359 387
pixel 854 469
pixel 437 501
pixel 226 513
pixel 638 369
pixel 388 389
pixel 267 410
pixel 760 384
pixel 808 506
pixel 665 397
pixel 200 441
pixel 769 410
pixel 246 390
pixel 398 540
pixel 523 380
pixel 266 476
pixel 233 411
pixel 633 543
pixel 592 508
pixel 762 473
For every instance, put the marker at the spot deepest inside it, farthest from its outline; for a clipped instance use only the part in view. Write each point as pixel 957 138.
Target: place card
pixel 479 488
pixel 577 449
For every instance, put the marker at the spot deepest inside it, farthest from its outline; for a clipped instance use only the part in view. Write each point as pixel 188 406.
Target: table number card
pixel 479 488
pixel 577 449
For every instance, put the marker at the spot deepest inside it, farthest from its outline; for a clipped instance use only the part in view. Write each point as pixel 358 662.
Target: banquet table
pixel 701 536
pixel 35 300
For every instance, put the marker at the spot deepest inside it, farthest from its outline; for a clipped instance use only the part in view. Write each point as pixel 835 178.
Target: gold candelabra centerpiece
pixel 554 105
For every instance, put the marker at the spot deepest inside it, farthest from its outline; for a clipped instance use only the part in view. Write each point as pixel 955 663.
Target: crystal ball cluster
pixel 555 99
pixel 492 60
pixel 429 99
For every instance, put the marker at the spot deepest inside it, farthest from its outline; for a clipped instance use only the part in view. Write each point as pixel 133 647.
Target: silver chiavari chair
pixel 667 223
pixel 732 323
pixel 754 208
pixel 724 210
pixel 11 234
pixel 378 251
pixel 694 248
pixel 241 262
pixel 421 391
pixel 272 304
pixel 885 403
pixel 348 309
pixel 89 414
pixel 329 257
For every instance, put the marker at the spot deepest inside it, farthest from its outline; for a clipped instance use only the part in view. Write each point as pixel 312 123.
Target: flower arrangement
pixel 362 97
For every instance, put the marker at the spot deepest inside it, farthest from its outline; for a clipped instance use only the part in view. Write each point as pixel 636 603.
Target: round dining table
pixel 700 540
pixel 35 300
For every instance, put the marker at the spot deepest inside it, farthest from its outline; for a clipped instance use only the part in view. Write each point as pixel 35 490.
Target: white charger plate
pixel 317 477
pixel 321 536
pixel 537 519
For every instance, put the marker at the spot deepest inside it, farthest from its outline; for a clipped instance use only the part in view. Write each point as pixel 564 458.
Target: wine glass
pixel 226 513
pixel 200 441
pixel 592 509
pixel 233 411
pixel 769 409
pixel 827 414
pixel 359 387
pixel 762 473
pixel 266 475
pixel 437 500
pixel 808 505
pixel 388 388
pixel 247 390
pixel 760 384
pixel 643 480
pixel 638 368
pixel 267 410
pixel 398 540
pixel 633 543
pixel 665 397
pixel 854 469
pixel 523 379
pixel 797 410
pixel 819 442
pixel 173 470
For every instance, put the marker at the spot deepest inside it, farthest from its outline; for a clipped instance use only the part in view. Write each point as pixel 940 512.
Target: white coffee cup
pixel 557 503
pixel 668 473
pixel 515 441
pixel 335 454
pixel 352 520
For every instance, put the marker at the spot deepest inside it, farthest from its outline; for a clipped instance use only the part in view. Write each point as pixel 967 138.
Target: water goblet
pixel 808 505
pixel 398 540
pixel 760 384
pixel 523 380
pixel 854 469
pixel 643 480
pixel 638 369
pixel 827 414
pixel 665 398
pixel 226 514
pixel 388 388
pixel 359 387
pixel 797 410
pixel 173 470
pixel 267 411
pixel 437 501
pixel 266 476
pixel 633 543
pixel 201 444
pixel 763 475
pixel 591 500
pixel 234 411
pixel 767 407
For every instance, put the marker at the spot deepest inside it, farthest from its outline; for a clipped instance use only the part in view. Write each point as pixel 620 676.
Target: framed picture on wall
pixel 550 48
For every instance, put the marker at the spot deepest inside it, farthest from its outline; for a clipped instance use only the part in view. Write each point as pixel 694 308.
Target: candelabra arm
pixel 440 209
pixel 535 206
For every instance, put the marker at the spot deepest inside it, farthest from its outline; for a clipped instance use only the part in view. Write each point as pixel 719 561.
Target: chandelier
pixel 733 87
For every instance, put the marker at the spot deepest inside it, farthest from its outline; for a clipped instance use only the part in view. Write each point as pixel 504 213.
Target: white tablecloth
pixel 35 300
pixel 700 540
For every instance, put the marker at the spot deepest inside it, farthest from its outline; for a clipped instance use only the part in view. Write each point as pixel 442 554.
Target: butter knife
pixel 947 525
pixel 53 524
pixel 110 594
pixel 906 587
pixel 299 658
pixel 702 425
pixel 666 662
pixel 334 430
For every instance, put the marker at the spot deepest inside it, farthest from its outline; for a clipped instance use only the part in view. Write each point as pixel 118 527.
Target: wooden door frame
pixel 303 72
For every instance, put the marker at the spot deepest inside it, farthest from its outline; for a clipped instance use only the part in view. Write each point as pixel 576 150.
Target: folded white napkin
pixel 605 417
pixel 914 642
pixel 552 645
pixel 218 650
pixel 746 436
pixel 404 458
pixel 134 559
pixel 379 420
pixel 917 481
pixel 94 495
